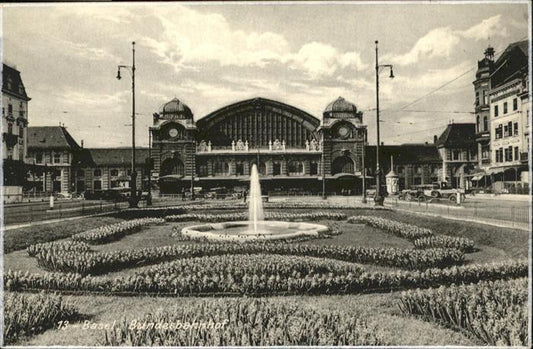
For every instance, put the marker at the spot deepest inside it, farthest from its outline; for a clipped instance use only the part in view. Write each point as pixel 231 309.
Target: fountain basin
pixel 241 231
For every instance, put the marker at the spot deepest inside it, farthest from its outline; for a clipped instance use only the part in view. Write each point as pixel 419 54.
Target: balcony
pixel 524 156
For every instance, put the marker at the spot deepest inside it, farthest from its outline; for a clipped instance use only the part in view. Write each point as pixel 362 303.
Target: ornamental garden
pixel 375 277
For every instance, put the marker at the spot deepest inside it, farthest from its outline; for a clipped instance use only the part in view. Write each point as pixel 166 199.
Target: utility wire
pixel 451 81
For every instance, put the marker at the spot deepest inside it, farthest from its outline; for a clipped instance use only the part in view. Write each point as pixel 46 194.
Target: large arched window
pixel 201 169
pixel 172 166
pixel 221 168
pixel 296 168
pixel 342 164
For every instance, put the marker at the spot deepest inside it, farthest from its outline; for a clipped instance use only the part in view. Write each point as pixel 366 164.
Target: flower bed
pixel 113 232
pixel 347 282
pixel 277 216
pixel 460 243
pixel 104 262
pixel 403 230
pixel 64 246
pixel 420 237
pixel 494 312
pixel 245 322
pixel 26 315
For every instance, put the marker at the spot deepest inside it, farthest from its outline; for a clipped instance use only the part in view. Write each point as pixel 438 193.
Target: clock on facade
pixel 343 131
pixel 173 132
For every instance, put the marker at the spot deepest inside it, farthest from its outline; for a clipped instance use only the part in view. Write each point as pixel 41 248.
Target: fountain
pixel 255 206
pixel 256 228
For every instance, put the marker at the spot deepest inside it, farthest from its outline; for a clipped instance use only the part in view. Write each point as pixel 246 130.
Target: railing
pixel 524 156
pixel 514 216
pixel 248 149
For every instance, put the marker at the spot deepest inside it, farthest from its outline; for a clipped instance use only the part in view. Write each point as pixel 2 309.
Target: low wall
pixel 12 194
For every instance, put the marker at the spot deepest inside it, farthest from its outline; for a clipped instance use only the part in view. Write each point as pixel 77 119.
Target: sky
pixel 210 55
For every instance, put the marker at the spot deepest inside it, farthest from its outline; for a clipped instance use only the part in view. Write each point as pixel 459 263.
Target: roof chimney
pixel 435 138
pixel 382 143
pixel 82 143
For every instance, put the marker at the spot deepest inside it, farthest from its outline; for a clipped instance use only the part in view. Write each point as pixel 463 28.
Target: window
pixel 418 170
pixel 499 155
pixel 221 169
pixel 39 158
pixel 80 173
pixel 505 130
pixel 9 109
pixel 509 129
pixel 10 128
pixel 418 180
pixel 276 169
pixel 21 109
pixel 57 158
pixel 114 172
pixel 509 154
pixel 295 168
pixel 97 173
pixel 477 98
pixel 201 169
pixel 505 107
pixel 314 168
pixel 515 104
pixel 516 154
pixel 515 129
pixel 484 97
pixel 21 131
pixel 498 132
pixel 477 123
pixel 485 123
pixel 456 154
pixel 496 111
pixel 239 169
pixel 97 185
pixel 114 184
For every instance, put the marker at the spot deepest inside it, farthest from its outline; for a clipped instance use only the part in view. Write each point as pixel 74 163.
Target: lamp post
pixel 150 162
pixel 364 170
pixel 324 197
pixel 133 181
pixel 378 198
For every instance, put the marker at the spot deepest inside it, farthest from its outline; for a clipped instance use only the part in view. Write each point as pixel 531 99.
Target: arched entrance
pixel 342 164
pixel 172 166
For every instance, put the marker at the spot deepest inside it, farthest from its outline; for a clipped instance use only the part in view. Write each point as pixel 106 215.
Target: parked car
pixel 63 195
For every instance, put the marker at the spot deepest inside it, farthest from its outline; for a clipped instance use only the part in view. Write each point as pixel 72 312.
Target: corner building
pixel 293 150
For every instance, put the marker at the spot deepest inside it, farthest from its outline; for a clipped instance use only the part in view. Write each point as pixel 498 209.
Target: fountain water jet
pixel 256 228
pixel 255 202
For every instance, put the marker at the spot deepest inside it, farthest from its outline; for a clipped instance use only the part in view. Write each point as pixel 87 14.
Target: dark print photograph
pixel 266 174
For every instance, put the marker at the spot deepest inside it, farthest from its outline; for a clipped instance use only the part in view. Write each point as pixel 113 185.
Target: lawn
pixel 492 243
pixel 20 238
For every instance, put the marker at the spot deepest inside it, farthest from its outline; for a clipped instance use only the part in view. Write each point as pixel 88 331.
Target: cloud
pixel 439 42
pixel 490 27
pixel 443 41
pixel 319 60
pixel 190 38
